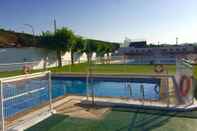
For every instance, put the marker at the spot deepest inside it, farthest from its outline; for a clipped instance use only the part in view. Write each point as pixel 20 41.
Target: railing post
pixel 2 108
pixel 142 92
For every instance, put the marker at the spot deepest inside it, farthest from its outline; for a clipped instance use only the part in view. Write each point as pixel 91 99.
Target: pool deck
pixel 71 105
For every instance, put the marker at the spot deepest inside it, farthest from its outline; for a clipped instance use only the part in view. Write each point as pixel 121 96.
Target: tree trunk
pixel 45 62
pixel 89 57
pixel 108 59
pixel 59 58
pixel 72 57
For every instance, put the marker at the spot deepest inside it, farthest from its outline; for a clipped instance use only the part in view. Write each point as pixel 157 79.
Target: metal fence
pixel 22 94
pixel 135 60
pixel 122 85
pixel 149 90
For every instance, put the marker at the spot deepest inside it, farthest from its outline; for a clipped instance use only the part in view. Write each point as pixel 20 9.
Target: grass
pixel 118 121
pixel 103 68
pixel 14 73
pixel 112 68
pixel 82 68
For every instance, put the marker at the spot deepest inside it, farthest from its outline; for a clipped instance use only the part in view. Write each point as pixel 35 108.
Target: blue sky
pixel 112 20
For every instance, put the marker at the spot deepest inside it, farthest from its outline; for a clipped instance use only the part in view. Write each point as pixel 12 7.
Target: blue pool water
pixel 108 87
pixel 103 87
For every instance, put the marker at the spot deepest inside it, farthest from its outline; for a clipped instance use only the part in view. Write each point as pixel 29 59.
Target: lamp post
pixel 33 31
pixel 32 28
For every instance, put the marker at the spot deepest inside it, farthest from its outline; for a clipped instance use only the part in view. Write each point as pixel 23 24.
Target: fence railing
pixel 20 94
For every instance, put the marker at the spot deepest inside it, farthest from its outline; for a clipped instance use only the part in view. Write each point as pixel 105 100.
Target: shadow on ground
pixel 48 123
pixel 116 120
pixel 144 122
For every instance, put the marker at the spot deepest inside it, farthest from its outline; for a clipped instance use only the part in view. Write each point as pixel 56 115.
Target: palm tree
pixel 108 50
pixel 76 45
pixel 90 46
pixel 58 41
pixel 100 51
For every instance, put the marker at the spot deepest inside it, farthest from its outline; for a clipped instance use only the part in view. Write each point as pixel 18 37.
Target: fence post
pixel 142 92
pixel 2 108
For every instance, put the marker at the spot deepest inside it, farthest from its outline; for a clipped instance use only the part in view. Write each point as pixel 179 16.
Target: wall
pixel 36 57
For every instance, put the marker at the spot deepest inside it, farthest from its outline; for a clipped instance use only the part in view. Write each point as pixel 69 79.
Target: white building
pixel 141 53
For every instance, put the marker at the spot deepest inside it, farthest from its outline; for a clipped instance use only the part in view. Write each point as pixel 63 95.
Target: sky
pixel 111 20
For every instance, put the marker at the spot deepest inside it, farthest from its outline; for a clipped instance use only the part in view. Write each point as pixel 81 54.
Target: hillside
pixel 15 39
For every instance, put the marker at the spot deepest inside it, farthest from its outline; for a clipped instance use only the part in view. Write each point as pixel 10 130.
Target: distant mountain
pixel 16 39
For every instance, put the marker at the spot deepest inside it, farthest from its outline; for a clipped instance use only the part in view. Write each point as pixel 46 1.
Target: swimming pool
pixel 108 87
pixel 134 88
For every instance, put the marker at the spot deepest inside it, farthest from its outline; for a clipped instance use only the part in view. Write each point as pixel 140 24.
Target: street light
pixel 33 31
pixel 32 28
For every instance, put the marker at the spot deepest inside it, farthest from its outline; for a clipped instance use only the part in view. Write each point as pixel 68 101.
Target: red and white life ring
pixel 26 69
pixel 185 85
pixel 159 68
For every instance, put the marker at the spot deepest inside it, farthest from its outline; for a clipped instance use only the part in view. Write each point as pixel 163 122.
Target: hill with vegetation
pixel 16 39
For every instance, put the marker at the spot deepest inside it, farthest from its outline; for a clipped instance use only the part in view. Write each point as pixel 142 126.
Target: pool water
pixel 142 89
pixel 134 88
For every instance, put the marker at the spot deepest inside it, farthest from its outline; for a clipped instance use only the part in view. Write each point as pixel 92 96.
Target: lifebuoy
pixel 159 68
pixel 26 69
pixel 185 85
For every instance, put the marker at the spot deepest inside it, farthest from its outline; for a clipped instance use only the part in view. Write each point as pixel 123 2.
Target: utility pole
pixel 55 25
pixel 177 40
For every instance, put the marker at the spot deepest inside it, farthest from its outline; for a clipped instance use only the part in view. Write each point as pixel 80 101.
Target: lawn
pixel 103 68
pixel 112 68
pixel 118 121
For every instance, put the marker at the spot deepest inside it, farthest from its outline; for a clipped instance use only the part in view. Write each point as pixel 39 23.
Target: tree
pixel 64 37
pixel 100 51
pixel 26 40
pixel 48 41
pixel 103 47
pixel 90 46
pixel 58 41
pixel 107 50
pixel 76 45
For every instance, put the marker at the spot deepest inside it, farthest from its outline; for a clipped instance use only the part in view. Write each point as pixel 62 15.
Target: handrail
pixel 25 76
